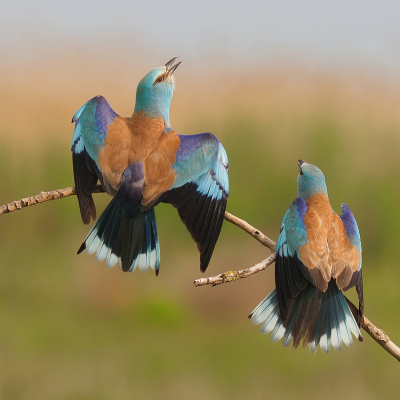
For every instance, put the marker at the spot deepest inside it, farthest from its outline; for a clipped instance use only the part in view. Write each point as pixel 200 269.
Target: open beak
pixel 170 67
pixel 300 163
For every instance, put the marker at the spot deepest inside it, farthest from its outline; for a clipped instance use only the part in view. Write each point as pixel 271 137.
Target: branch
pixel 231 276
pixel 257 234
pixel 41 198
pixel 377 334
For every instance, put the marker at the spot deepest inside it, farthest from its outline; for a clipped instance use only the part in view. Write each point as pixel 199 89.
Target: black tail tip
pixel 360 339
pixel 250 315
pixel 83 247
pixel 157 272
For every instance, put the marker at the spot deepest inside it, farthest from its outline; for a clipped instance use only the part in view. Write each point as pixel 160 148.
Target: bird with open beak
pixel 141 161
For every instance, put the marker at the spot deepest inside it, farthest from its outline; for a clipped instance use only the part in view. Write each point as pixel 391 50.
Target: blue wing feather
pixel 352 231
pixel 91 126
pixel 77 145
pixel 198 155
pixel 353 234
pixel 94 118
pixel 293 230
pixel 200 189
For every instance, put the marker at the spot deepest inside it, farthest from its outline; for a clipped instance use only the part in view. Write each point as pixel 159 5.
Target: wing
pixel 291 275
pixel 354 254
pixel 345 249
pixel 89 152
pixel 200 190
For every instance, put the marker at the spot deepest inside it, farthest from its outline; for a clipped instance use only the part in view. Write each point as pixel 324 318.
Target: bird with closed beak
pixel 318 254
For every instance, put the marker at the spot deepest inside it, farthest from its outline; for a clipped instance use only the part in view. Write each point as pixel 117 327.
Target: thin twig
pixel 256 233
pixel 231 276
pixel 377 334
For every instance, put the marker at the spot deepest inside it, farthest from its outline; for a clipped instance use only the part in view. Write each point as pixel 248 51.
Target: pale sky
pixel 365 32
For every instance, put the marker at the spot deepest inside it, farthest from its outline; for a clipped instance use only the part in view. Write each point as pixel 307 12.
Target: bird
pixel 141 161
pixel 318 255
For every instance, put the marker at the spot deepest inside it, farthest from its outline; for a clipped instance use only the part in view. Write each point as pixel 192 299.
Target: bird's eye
pixel 159 79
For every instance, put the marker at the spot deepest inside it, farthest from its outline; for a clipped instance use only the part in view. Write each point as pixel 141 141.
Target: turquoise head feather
pixel 154 92
pixel 310 181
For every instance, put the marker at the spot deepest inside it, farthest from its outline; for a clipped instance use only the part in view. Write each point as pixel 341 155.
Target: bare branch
pixel 377 334
pixel 41 198
pixel 231 276
pixel 257 234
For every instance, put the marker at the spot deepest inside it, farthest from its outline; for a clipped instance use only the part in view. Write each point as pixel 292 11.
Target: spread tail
pixel 320 318
pixel 125 235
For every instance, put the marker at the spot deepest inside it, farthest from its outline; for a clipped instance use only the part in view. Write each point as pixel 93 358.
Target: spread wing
pixel 200 189
pixel 95 125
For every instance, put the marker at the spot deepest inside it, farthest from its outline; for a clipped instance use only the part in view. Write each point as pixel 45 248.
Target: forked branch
pixel 377 334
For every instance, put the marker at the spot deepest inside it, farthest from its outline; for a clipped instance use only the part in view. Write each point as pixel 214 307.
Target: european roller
pixel 318 254
pixel 141 161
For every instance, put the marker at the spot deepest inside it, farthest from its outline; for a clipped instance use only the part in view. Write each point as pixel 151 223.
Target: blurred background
pixel 275 81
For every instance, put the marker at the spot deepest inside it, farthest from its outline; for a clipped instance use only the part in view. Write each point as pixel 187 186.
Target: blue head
pixel 154 92
pixel 310 181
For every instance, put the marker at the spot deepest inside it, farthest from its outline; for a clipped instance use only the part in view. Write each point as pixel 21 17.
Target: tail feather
pixel 101 252
pixel 350 321
pixel 115 220
pixel 301 323
pixel 106 228
pixel 317 332
pixel 344 328
pixel 325 339
pixel 125 235
pixel 337 341
pixel 317 318
pixel 261 312
pixel 144 263
pixel 316 303
pixel 269 324
pixel 278 332
pixel 288 336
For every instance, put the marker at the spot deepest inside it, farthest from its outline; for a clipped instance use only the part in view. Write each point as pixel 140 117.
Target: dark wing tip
pixel 202 215
pixel 203 267
pixel 83 247
pixel 85 217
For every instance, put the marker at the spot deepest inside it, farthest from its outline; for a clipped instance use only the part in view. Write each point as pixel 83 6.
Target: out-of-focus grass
pixel 72 329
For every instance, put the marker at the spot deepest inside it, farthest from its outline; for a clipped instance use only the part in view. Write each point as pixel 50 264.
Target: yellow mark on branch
pixel 231 276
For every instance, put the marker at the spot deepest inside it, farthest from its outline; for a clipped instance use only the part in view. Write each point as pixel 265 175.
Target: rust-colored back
pixel 328 253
